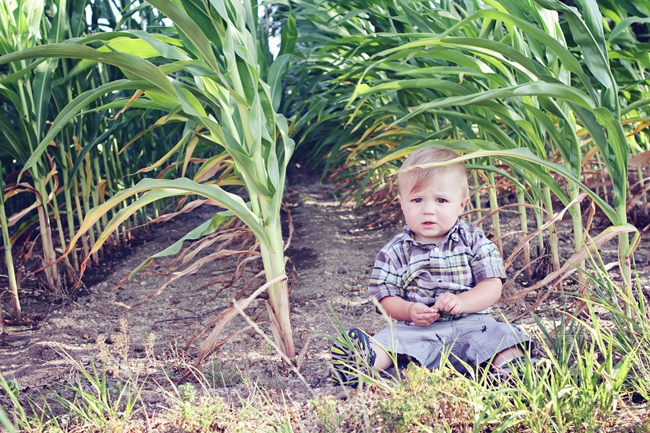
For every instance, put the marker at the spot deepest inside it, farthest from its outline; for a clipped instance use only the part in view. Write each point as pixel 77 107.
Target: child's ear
pixel 464 203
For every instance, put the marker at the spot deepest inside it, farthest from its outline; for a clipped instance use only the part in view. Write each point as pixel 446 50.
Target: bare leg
pixel 507 355
pixel 382 360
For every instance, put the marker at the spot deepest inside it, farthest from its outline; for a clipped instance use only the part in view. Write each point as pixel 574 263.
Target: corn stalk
pixel 9 259
pixel 211 77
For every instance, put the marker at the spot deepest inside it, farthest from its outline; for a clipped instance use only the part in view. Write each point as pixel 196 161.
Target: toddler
pixel 437 279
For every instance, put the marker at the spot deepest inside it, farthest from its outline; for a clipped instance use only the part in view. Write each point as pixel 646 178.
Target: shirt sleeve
pixel 486 261
pixel 386 278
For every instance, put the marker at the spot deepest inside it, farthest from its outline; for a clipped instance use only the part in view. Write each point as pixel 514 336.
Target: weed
pixel 274 412
pixel 221 375
pixel 121 341
pixel 187 393
pixel 5 423
pixel 441 398
pixel 589 372
pixel 192 413
pixel 325 409
pixel 582 380
pixel 288 421
pixel 196 410
pixel 92 399
pixel 89 401
pixel 149 343
pixel 103 352
pixel 12 389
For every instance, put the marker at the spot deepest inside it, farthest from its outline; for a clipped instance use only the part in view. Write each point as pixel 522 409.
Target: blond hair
pixel 417 178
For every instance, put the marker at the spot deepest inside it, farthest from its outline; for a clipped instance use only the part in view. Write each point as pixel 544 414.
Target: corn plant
pixel 207 73
pixel 78 168
pixel 27 96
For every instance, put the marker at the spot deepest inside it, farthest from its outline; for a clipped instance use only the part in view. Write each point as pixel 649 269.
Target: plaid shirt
pixel 419 272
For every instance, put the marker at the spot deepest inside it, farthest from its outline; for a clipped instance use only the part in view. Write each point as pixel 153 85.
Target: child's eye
pixel 441 200
pixel 417 200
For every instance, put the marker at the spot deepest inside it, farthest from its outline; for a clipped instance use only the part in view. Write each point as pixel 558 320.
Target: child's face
pixel 433 210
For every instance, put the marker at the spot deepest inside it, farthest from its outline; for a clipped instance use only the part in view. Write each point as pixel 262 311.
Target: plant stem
pixel 552 229
pixel 49 257
pixel 523 220
pixel 494 204
pixel 9 260
pixel 80 216
pixel 84 181
pixel 644 196
pixel 625 261
pixel 273 259
pixel 576 218
pixel 59 224
pixel 477 194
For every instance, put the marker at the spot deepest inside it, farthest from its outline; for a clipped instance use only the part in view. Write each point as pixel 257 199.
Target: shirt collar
pixel 409 236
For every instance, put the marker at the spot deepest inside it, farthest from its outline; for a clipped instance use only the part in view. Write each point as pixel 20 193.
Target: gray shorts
pixel 473 339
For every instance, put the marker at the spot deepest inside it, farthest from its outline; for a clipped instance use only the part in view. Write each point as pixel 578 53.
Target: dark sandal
pixel 351 355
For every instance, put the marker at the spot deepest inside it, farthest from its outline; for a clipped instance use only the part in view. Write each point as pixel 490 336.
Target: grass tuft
pixel 440 398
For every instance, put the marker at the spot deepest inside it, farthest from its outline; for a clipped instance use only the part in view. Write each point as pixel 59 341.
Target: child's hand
pixel 450 303
pixel 422 315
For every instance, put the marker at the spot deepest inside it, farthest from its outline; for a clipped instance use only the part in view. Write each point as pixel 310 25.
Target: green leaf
pixel 289 36
pixel 189 28
pixel 277 71
pixel 515 156
pixel 134 65
pixel 60 23
pixel 14 144
pixel 188 101
pixel 623 25
pixel 155 189
pixel 133 46
pixel 589 35
pixel 163 45
pixel 555 90
pixel 256 122
pixel 419 83
pixel 42 90
pixel 72 109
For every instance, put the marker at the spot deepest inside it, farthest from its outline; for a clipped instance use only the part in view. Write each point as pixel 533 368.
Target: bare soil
pixel 333 251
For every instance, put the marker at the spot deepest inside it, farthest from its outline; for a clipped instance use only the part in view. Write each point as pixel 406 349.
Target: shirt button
pixel 436 249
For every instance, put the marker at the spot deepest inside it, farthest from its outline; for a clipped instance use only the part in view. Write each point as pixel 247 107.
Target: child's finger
pixel 426 315
pixel 442 304
pixel 458 307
